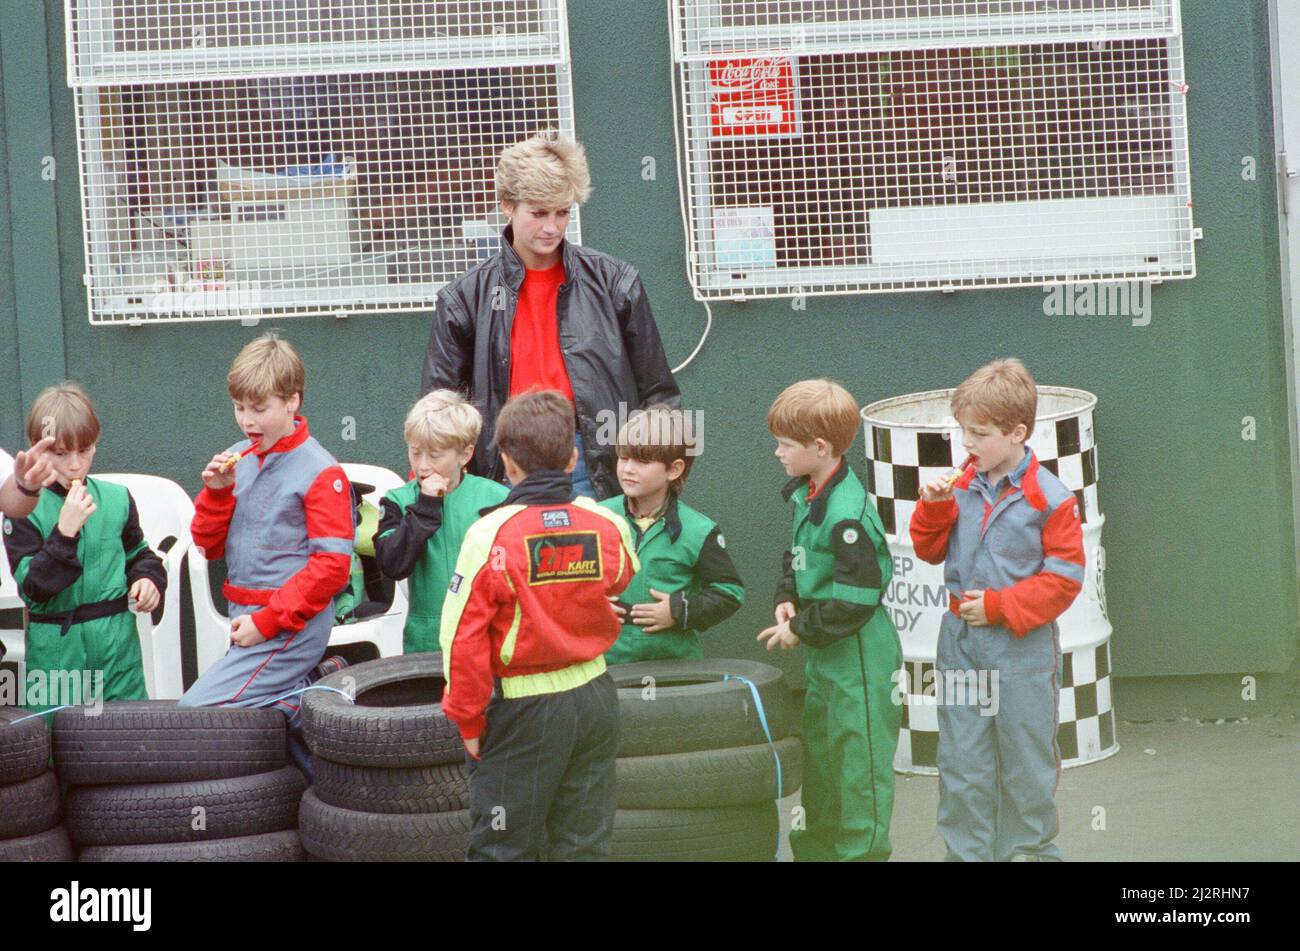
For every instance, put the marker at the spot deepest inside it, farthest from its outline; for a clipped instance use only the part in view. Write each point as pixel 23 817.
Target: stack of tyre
pixel 154 782
pixel 697 775
pixel 29 792
pixel 391 781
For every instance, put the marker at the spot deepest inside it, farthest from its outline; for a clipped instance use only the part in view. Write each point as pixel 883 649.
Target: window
pixel 294 157
pixel 845 146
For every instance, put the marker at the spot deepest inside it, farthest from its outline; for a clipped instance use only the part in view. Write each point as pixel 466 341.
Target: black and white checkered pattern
pixel 901 459
pixel 1085 731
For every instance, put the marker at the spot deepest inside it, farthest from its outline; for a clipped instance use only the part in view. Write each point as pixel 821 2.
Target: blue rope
pixel 762 720
pixel 295 693
pixel 33 716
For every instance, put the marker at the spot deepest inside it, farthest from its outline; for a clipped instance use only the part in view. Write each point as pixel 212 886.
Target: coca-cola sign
pixel 753 98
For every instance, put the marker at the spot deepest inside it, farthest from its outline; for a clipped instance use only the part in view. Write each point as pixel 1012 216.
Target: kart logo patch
pixel 570 556
pixel 850 536
pixel 454 585
pixel 555 518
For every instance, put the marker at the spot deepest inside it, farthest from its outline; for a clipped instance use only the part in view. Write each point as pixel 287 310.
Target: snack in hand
pixel 957 473
pixel 230 463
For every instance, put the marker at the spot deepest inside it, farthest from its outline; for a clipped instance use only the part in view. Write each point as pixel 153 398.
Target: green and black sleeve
pixel 855 589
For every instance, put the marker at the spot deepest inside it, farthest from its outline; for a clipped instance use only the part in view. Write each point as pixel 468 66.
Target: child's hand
pixel 34 469
pixel 216 475
pixel 472 747
pixel 77 508
pixel 779 635
pixel 618 608
pixel 244 632
pixel 146 595
pixel 937 490
pixel 784 611
pixel 972 610
pixel 653 618
pixel 434 484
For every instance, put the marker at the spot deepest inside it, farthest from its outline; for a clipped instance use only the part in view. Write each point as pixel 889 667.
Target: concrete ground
pixel 1177 791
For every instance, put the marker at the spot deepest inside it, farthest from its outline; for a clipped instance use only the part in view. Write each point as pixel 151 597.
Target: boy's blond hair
pixel 268 366
pixel 812 409
pixel 659 433
pixel 547 170
pixel 442 419
pixel 1001 393
pixel 65 412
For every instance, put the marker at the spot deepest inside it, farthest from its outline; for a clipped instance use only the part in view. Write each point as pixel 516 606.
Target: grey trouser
pixel 997 774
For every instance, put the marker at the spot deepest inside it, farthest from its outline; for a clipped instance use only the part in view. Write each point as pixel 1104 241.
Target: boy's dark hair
pixel 535 429
pixel 660 433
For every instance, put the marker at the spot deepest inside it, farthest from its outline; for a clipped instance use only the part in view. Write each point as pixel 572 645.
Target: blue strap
pixel 33 716
pixel 295 693
pixel 762 720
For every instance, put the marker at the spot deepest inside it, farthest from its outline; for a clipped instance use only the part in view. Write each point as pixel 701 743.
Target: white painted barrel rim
pixel 883 413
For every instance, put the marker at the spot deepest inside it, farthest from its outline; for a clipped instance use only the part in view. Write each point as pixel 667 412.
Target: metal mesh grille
pixel 140 40
pixel 886 169
pixel 301 178
pixel 709 27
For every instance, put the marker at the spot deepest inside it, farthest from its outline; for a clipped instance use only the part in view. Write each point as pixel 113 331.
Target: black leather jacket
pixel 608 337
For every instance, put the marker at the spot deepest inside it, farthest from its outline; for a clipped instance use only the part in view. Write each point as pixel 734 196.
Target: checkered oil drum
pixel 913 439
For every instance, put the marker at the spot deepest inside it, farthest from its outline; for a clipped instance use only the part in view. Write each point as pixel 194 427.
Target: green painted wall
pixel 1201 565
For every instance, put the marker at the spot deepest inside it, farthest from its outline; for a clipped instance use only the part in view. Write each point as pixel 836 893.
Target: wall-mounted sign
pixel 753 98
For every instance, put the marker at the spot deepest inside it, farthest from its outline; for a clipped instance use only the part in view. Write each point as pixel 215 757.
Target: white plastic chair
pixel 14 641
pixel 212 628
pixel 384 630
pixel 165 511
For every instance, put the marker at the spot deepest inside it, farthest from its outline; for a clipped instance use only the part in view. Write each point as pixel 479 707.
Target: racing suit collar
pixel 672 520
pixel 817 507
pixel 542 487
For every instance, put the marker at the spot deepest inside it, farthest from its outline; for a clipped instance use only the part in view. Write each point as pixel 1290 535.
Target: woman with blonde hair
pixel 543 313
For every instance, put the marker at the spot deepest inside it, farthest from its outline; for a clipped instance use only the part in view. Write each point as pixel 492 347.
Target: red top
pixel 535 357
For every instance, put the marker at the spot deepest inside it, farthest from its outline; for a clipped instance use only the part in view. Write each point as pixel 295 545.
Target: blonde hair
pixel 443 419
pixel 66 413
pixel 268 366
pixel 660 433
pixel 546 170
pixel 1001 393
pixel 812 409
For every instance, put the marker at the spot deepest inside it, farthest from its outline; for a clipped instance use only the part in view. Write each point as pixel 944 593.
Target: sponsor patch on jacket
pixel 454 585
pixel 568 556
pixel 555 518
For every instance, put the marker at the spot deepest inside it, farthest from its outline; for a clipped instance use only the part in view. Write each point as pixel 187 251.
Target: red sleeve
pixel 1043 598
pixel 328 504
pixel 469 655
pixel 931 523
pixel 212 511
pixel 629 565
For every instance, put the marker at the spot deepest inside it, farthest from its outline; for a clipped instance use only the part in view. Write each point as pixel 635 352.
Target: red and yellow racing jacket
pixel 529 600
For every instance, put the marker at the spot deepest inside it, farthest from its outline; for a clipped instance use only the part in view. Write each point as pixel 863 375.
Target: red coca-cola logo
pixel 757 75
